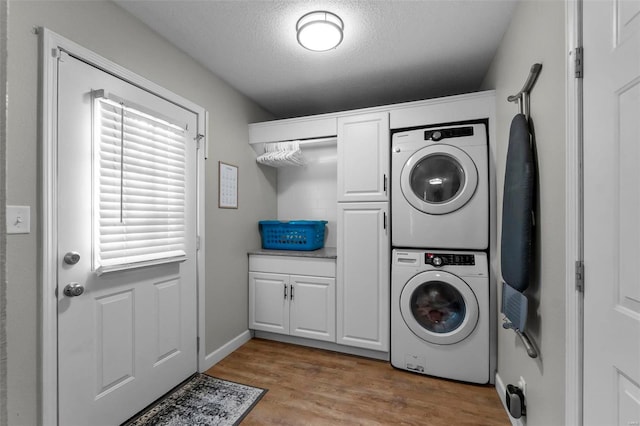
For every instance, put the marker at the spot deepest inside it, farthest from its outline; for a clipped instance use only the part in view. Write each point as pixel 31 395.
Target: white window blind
pixel 139 188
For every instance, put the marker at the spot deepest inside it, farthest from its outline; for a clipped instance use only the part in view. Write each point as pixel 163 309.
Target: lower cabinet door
pixel 363 276
pixel 269 302
pixel 312 312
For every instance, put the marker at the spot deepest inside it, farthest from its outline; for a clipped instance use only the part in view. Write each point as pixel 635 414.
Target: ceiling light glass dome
pixel 320 31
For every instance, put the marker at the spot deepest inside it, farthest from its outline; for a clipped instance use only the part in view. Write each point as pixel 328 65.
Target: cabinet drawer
pixel 320 267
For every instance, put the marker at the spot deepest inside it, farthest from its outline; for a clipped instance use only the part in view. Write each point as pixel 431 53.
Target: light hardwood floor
pixel 315 387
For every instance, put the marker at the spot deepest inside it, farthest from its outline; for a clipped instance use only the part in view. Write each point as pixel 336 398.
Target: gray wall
pixel 111 32
pixel 3 193
pixel 537 34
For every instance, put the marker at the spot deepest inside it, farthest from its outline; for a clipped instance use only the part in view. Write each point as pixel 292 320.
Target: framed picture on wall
pixel 227 186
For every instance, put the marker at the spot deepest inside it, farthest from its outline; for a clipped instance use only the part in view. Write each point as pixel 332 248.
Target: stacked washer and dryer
pixel 440 295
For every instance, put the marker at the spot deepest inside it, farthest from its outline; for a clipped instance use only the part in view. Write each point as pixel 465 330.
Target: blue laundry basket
pixel 293 235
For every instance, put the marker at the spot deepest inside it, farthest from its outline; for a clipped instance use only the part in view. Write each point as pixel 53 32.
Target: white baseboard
pixel 319 344
pixel 501 389
pixel 221 353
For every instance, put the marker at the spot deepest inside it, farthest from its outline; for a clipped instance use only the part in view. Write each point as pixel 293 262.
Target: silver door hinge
pixel 578 61
pixel 198 243
pixel 580 276
pixel 55 52
pixel 198 344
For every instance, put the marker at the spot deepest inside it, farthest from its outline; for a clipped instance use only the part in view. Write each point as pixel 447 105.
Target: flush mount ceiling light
pixel 320 31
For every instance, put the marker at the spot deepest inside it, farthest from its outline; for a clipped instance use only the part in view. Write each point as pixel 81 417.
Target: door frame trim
pixel 574 231
pixel 50 43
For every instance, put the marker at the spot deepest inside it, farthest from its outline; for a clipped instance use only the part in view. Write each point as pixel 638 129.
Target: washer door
pixel 439 307
pixel 439 179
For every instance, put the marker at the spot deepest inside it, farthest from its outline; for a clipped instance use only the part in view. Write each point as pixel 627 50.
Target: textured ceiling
pixel 393 51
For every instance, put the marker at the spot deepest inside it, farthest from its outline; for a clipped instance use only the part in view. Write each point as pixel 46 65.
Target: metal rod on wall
pixel 522 97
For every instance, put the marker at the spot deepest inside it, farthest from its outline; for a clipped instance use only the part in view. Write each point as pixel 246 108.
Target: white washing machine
pixel 440 314
pixel 440 187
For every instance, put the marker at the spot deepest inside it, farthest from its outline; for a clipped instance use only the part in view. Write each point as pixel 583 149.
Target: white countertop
pixel 326 252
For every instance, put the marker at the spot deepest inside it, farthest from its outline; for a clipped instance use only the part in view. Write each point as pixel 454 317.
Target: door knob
pixel 72 258
pixel 73 289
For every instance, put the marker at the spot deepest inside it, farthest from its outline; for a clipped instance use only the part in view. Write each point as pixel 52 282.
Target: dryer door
pixel 439 179
pixel 439 307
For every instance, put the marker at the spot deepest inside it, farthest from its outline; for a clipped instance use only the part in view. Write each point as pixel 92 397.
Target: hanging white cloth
pixel 282 154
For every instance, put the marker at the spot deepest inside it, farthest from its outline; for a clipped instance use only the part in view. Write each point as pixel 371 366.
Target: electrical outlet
pixel 522 385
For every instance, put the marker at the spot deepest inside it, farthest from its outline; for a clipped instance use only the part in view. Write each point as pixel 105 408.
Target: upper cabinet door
pixel 363 157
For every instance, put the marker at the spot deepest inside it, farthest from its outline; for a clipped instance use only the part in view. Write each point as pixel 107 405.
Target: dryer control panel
pixel 454 132
pixel 442 259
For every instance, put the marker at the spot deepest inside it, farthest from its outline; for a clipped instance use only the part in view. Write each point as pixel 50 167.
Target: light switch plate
pixel 18 219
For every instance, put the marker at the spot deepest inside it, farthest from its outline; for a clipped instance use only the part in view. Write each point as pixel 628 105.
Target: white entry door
pixel 131 335
pixel 612 212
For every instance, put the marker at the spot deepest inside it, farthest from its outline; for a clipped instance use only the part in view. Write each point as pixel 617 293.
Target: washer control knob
pixel 436 136
pixel 436 261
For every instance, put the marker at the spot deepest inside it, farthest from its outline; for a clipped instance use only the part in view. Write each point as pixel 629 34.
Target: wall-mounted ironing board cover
pixel 517 205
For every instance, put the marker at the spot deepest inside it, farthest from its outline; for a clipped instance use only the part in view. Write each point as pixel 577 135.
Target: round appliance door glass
pixel 439 307
pixel 439 179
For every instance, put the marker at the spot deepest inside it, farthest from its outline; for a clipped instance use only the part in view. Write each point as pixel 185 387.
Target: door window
pixel 438 307
pixel 139 187
pixel 437 178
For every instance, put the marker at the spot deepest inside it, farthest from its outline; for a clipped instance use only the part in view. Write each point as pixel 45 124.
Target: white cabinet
pixel 471 106
pixel 268 302
pixel 363 236
pixel 317 126
pixel 363 157
pixel 312 307
pixel 363 275
pixel 292 304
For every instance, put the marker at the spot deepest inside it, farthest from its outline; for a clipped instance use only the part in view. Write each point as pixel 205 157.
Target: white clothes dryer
pixel 440 314
pixel 440 188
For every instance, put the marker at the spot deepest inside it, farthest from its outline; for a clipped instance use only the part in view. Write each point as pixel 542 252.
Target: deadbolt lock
pixel 72 258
